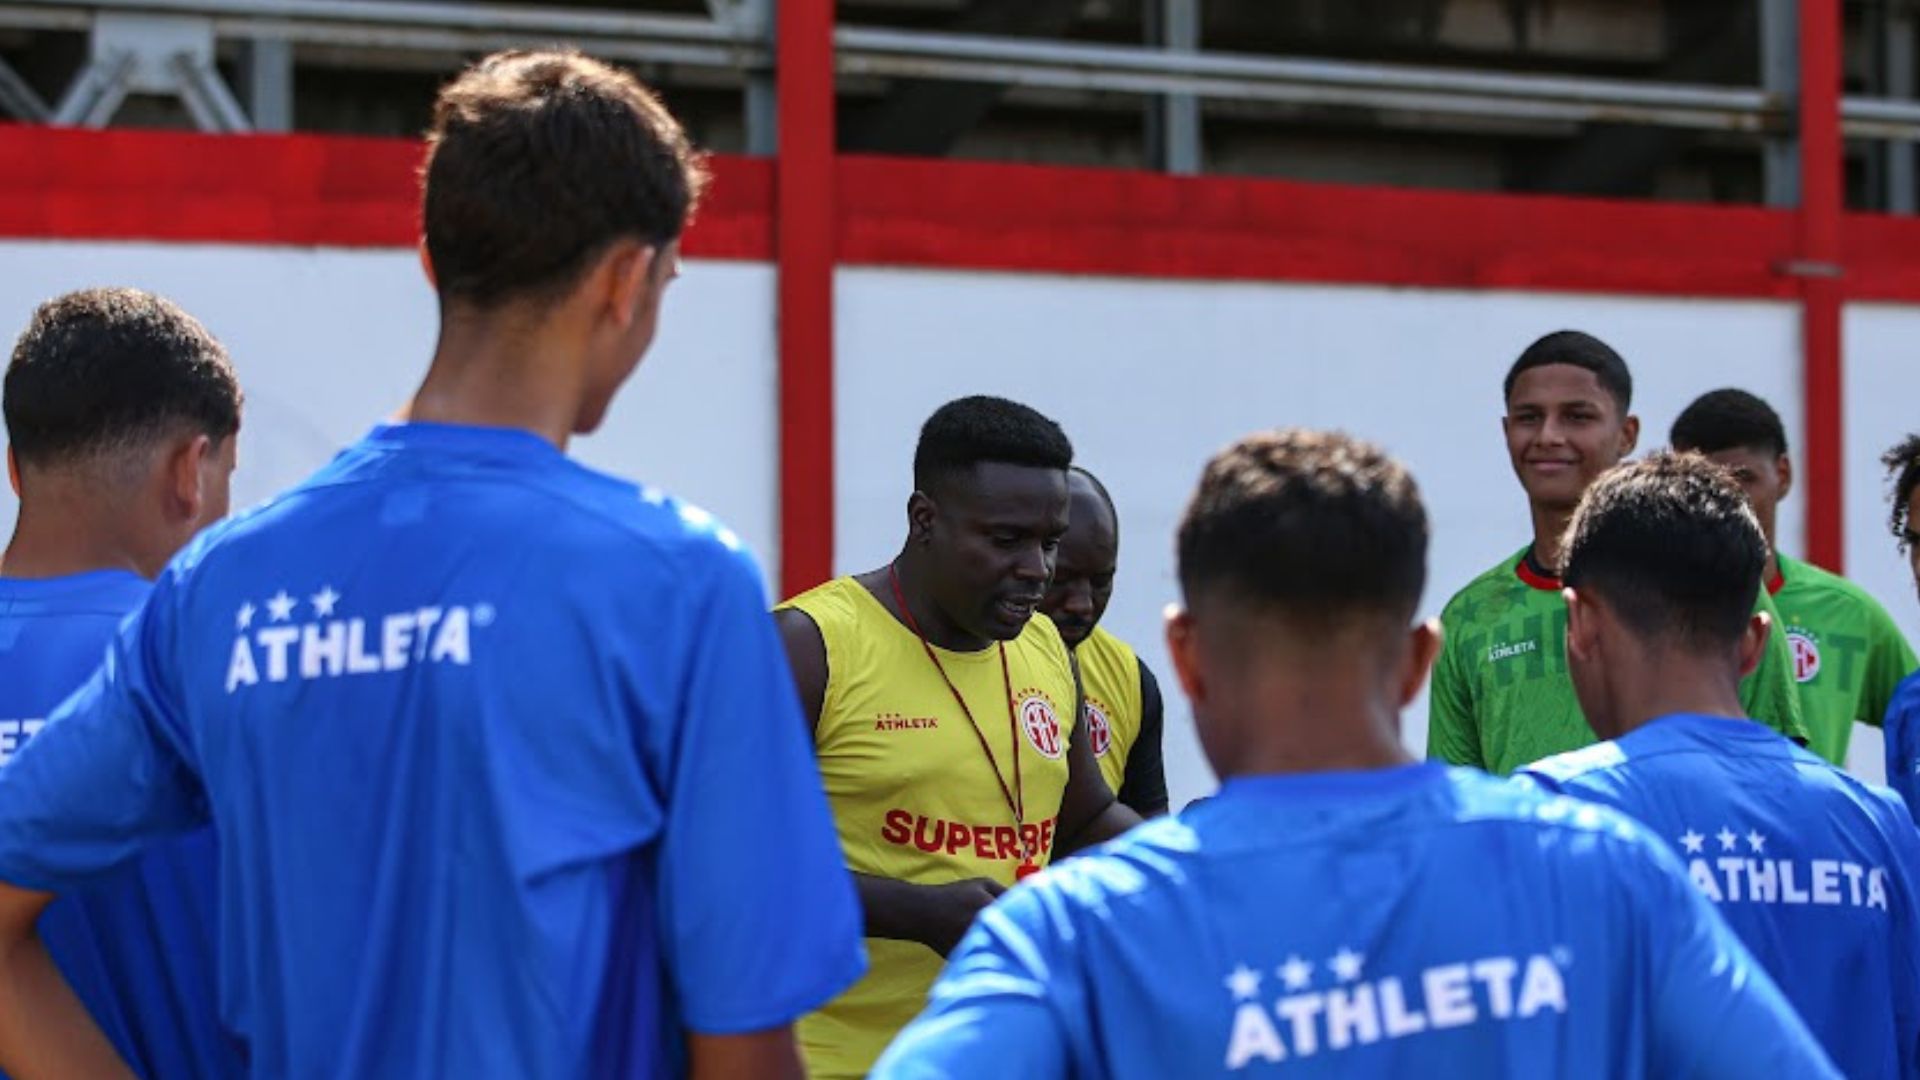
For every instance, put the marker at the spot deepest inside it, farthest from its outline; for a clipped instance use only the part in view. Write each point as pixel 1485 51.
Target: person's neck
pixel 64 539
pixel 1772 569
pixel 1669 681
pixel 1300 720
pixel 934 625
pixel 1549 529
pixel 501 372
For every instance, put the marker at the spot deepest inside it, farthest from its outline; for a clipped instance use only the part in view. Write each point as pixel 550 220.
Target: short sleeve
pixel 1143 787
pixel 760 917
pixel 1905 914
pixel 1889 660
pixel 1000 1000
pixel 1716 1013
pixel 1902 730
pixel 110 770
pixel 1770 694
pixel 1453 734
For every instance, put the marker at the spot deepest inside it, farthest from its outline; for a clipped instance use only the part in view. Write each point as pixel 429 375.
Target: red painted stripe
pixel 340 191
pixel 805 237
pixel 315 189
pixel 1821 208
pixel 1094 221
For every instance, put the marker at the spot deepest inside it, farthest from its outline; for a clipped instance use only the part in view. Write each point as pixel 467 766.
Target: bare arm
pixel 933 915
pixel 770 1054
pixel 44 1030
pixel 807 656
pixel 1089 813
pixel 936 916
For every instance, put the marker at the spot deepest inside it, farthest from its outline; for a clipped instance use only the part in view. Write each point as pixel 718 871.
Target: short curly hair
pixel 101 371
pixel 1903 471
pixel 1313 526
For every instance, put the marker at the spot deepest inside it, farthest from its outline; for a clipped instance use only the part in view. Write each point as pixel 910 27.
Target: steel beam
pixel 1900 84
pixel 267 72
pixel 18 99
pixel 1173 127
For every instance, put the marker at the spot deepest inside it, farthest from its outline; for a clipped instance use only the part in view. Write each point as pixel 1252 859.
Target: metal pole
pixel 1173 126
pixel 267 72
pixel 19 99
pixel 1780 76
pixel 1900 175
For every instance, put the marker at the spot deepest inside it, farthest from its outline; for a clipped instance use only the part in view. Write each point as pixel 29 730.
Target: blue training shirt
pixel 509 771
pixel 136 943
pixel 1813 868
pixel 1902 730
pixel 1417 921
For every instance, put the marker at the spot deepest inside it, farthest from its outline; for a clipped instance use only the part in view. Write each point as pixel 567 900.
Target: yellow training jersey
pixel 1110 678
pixel 912 793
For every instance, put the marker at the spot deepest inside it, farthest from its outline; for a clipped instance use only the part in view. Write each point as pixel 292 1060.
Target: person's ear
pixel 921 512
pixel 184 469
pixel 1753 642
pixel 1423 648
pixel 1183 649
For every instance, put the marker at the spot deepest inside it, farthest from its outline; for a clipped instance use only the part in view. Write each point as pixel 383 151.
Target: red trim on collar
pixel 1534 578
pixel 1777 582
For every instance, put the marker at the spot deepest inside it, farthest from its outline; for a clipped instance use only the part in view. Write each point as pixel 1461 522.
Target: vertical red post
pixel 1821 204
pixel 805 221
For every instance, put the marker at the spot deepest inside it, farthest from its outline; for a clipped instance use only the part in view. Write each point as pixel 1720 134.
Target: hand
pixel 950 909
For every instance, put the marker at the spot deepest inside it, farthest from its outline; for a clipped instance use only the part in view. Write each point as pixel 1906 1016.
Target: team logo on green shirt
pixel 1806 653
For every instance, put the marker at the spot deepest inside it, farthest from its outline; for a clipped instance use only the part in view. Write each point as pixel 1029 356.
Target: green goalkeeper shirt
pixel 1501 696
pixel 1848 656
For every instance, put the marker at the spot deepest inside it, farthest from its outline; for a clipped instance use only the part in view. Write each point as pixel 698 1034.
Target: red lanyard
pixel 1017 797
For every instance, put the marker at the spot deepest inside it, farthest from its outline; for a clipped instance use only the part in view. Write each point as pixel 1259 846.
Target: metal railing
pixel 732 40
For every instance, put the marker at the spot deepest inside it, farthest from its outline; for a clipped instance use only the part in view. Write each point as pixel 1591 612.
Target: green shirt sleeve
pixel 1453 735
pixel 1769 694
pixel 1889 661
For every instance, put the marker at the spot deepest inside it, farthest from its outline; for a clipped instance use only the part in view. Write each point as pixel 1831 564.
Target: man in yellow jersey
pixel 943 713
pixel 1122 715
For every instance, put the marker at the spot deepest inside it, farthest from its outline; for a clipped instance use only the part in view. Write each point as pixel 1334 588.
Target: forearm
pixel 1112 820
pixel 892 908
pixel 769 1054
pixel 44 1030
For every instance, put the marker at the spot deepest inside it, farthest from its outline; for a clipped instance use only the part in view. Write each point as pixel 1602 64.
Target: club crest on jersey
pixel 1099 731
pixel 1806 653
pixel 273 644
pixel 1042 726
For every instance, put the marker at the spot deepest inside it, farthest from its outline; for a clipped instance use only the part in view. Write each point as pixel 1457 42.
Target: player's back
pixel 434 692
pixel 1411 922
pixel 1814 869
pixel 137 946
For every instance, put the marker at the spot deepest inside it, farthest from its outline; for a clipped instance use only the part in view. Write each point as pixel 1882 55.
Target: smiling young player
pixel 1501 697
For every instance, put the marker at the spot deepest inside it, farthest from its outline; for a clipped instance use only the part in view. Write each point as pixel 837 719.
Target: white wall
pixel 1881 344
pixel 1150 377
pixel 329 341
